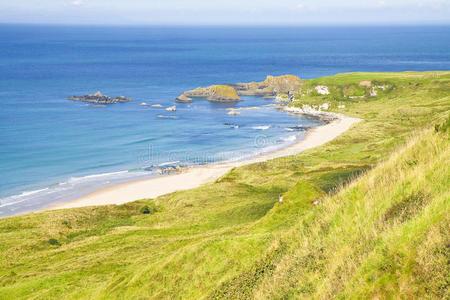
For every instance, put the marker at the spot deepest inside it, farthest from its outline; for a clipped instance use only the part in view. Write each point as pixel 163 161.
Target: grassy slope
pixel 384 234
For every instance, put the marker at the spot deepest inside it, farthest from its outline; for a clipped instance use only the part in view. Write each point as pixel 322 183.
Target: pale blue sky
pixel 226 12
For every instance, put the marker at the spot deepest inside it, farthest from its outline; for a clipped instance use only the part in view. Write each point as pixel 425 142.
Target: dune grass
pixel 363 216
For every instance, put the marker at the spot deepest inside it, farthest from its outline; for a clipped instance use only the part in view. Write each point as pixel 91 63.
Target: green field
pixel 366 215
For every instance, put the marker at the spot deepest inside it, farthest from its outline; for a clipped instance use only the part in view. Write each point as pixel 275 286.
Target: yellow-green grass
pixel 363 216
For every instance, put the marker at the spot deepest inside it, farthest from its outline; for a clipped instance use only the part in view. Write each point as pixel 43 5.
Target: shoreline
pixel 193 177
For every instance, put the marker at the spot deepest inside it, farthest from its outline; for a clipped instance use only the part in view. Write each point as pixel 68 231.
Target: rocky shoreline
pixel 270 87
pixel 283 86
pixel 280 88
pixel 324 116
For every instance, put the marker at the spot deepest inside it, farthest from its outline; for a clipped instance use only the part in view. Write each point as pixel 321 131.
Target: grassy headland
pixel 363 216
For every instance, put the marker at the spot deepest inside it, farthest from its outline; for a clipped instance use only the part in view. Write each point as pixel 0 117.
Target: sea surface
pixel 54 150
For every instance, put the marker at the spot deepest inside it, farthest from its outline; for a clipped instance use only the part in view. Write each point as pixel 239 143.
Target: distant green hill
pixel 364 216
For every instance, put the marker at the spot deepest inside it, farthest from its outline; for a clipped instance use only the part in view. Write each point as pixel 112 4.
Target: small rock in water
pixel 157 105
pixel 144 104
pixel 172 108
pixel 183 98
pixel 99 98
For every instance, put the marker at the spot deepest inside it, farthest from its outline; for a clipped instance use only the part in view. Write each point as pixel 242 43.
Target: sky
pixel 226 12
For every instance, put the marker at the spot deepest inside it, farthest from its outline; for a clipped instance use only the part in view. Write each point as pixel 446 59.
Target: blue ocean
pixel 54 150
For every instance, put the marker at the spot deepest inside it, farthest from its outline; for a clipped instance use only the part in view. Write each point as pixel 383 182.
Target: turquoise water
pixel 54 150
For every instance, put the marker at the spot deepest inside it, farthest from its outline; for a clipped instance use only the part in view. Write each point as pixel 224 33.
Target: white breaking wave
pixel 291 138
pixel 264 127
pixel 87 177
pixel 22 196
pixel 72 186
pixel 169 163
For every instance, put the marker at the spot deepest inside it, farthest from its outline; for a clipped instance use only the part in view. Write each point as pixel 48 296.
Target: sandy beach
pixel 196 176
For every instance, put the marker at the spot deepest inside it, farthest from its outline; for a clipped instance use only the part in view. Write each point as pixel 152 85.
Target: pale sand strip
pixel 196 176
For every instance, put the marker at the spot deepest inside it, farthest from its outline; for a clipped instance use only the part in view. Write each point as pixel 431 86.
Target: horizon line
pixel 230 25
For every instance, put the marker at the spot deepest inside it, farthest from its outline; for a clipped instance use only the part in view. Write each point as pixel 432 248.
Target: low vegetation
pixel 363 216
pixel 224 91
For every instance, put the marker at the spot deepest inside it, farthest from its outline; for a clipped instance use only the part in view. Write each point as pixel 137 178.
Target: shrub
pixel 145 210
pixel 67 224
pixel 53 242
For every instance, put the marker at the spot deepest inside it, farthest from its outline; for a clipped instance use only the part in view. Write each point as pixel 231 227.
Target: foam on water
pixel 264 127
pixel 76 187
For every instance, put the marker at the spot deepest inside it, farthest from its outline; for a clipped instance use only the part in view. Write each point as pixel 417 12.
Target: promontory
pixel 271 87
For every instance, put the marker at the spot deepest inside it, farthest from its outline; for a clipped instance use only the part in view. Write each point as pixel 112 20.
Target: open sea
pixel 54 150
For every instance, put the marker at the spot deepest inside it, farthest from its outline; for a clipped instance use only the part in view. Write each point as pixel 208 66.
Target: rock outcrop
pixel 314 110
pixel 282 98
pixel 374 92
pixel 273 85
pixel 233 112
pixel 322 90
pixel 215 93
pixel 183 99
pixel 99 98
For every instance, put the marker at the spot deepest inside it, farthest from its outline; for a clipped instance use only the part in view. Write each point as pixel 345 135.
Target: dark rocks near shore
pixel 99 98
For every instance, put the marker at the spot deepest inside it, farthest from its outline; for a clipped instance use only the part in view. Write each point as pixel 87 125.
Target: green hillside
pixel 366 215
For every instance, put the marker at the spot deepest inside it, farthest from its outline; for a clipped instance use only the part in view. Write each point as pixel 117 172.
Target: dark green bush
pixel 53 242
pixel 145 210
pixel 67 224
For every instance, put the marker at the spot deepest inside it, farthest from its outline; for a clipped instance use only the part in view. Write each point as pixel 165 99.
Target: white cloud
pixel 434 4
pixel 77 3
pixel 309 7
